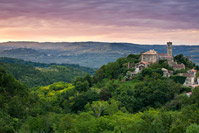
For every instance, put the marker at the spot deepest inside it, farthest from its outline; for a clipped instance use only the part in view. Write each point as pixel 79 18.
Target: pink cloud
pixel 98 19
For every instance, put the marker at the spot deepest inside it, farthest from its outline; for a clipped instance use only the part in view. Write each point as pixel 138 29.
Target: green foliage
pixel 177 102
pixel 180 71
pixel 161 64
pixel 149 103
pixel 178 79
pixel 82 86
pixel 155 70
pixel 79 101
pixel 154 93
pixel 14 102
pixel 193 128
pixel 40 74
pixel 35 76
pixel 105 94
pixel 115 69
pixel 181 59
pixel 43 65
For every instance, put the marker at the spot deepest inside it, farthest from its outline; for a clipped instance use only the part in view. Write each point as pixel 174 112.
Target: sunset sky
pixel 135 21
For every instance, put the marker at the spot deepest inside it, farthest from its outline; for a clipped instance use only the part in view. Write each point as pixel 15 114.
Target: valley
pixel 89 54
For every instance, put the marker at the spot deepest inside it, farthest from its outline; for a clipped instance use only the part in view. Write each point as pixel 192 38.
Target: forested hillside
pixel 37 74
pixel 90 54
pixel 43 65
pixel 104 102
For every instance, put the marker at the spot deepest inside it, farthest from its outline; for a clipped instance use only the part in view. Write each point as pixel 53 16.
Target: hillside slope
pixel 91 54
pixel 147 103
pixel 37 74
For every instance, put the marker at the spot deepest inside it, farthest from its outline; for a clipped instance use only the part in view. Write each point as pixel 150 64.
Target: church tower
pixel 169 48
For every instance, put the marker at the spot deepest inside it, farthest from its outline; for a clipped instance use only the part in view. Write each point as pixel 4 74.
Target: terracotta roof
pixel 193 70
pixel 195 85
pixel 150 52
pixel 144 62
pixel 168 57
pixel 189 93
pixel 162 54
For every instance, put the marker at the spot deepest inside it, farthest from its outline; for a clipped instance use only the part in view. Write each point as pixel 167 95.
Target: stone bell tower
pixel 169 48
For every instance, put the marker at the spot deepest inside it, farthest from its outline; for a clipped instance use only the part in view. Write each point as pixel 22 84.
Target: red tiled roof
pixel 193 70
pixel 144 62
pixel 163 54
pixel 168 57
pixel 195 85
pixel 189 93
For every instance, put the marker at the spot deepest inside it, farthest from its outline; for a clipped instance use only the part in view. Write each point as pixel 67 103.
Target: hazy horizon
pixel 18 41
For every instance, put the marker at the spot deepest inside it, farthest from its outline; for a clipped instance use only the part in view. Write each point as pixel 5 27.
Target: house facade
pixel 150 56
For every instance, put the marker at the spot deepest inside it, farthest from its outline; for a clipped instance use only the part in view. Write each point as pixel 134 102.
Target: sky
pixel 134 21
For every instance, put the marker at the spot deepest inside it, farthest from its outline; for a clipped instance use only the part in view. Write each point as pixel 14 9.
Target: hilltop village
pixel 152 56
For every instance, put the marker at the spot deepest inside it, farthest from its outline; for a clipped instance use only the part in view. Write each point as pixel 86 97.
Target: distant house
pixel 178 66
pixel 130 65
pixel 150 56
pixel 130 74
pixel 169 58
pixel 162 56
pixel 153 56
pixel 138 68
pixel 166 73
pixel 141 65
pixel 190 80
pixel 171 63
pixel 197 80
pixel 195 85
pixel 189 94
pixel 193 72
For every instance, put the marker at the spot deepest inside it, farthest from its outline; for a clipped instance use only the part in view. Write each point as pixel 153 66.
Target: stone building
pixel 150 56
pixel 162 56
pixel 166 73
pixel 189 82
pixel 141 65
pixel 153 56
pixel 169 49
pixel 138 67
pixel 130 65
pixel 197 81
pixel 192 72
pixel 167 56
pixel 178 66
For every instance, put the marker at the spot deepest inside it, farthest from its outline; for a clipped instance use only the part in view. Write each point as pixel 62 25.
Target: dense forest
pixel 104 102
pixel 39 74
pixel 43 65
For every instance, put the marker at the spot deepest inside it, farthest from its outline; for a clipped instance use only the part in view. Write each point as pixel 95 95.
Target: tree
pixel 181 59
pixel 193 128
pixel 89 79
pixel 97 107
pixel 82 86
pixel 178 79
pixel 105 94
pixel 79 101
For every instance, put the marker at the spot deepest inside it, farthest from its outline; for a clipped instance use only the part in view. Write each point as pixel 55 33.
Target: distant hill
pixel 39 74
pixel 90 54
pixel 43 65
